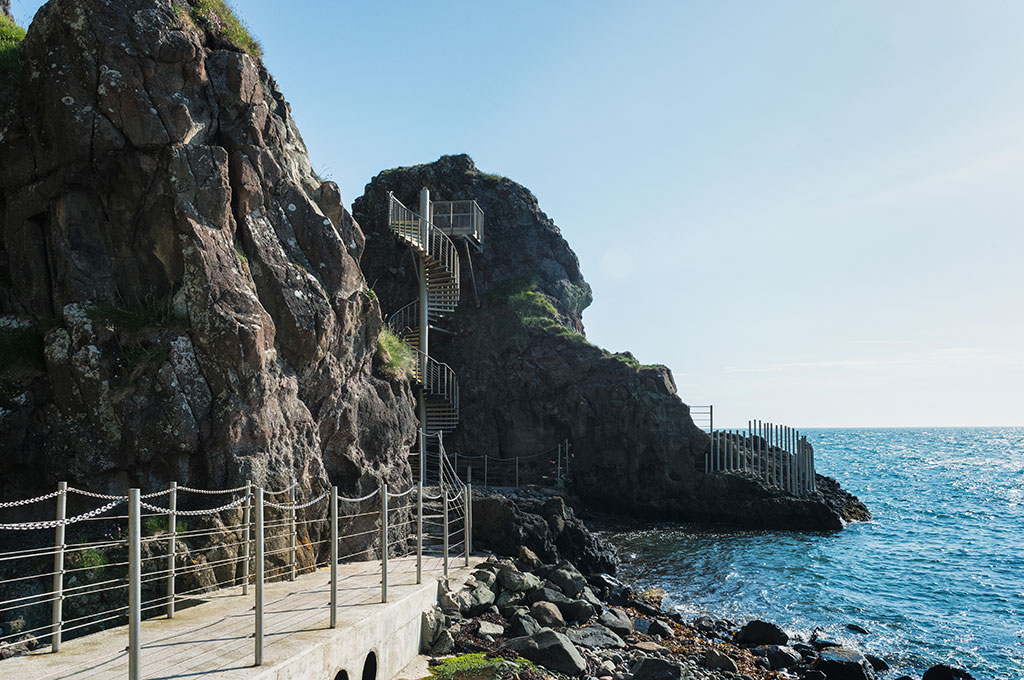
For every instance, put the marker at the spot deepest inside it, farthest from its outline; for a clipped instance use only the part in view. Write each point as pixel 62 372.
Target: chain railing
pixel 136 575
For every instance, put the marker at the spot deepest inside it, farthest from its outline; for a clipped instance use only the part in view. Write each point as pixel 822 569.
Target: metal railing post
pixel 334 557
pixel 258 635
pixel 423 455
pixel 57 610
pixel 455 463
pixel 247 521
pixel 558 467
pixel 467 521
pixel 383 542
pixel 517 472
pixel 291 552
pixel 134 586
pixel 419 532
pixel 172 546
pixel 485 469
pixel 711 431
pixel 444 523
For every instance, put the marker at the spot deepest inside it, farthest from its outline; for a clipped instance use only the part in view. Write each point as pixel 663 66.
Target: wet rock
pixel 616 620
pixel 550 649
pixel 761 633
pixel 704 624
pixel 857 629
pixel 595 636
pixel 547 614
pixel 653 668
pixel 781 656
pixel 579 611
pixel 877 663
pixel 641 625
pixel 716 660
pixel 844 663
pixel 944 672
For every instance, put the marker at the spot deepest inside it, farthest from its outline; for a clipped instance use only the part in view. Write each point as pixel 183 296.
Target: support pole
pixel 419 533
pixel 558 467
pixel 711 430
pixel 517 472
pixel 469 522
pixel 455 463
pixel 172 547
pixel 291 538
pixel 57 610
pixel 750 438
pixel 134 586
pixel 444 523
pixel 334 557
pixel 258 635
pixel 467 490
pixel 383 542
pixel 247 521
pixel 485 470
pixel 423 439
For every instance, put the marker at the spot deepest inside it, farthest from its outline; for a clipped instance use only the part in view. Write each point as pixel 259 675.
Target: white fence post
pixel 172 546
pixel 134 586
pixel 444 526
pixel 419 532
pixel 334 557
pixel 469 522
pixel 465 520
pixel 57 610
pixel 291 552
pixel 246 521
pixel 383 542
pixel 259 576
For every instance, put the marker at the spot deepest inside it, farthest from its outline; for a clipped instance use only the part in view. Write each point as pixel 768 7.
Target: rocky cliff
pixel 5 8
pixel 180 293
pixel 528 377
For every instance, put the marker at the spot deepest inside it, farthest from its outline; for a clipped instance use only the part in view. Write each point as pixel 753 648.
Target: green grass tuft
pixel 396 358
pixel 158 525
pixel 216 16
pixel 479 666
pixel 11 36
pixel 147 312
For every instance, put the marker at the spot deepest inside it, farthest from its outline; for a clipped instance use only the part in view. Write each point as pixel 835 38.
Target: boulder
pixel 761 633
pixel 579 611
pixel 660 628
pixel 857 629
pixel 484 577
pixel 569 581
pixel 781 656
pixel 488 628
pixel 523 625
pixel 595 636
pixel 616 620
pixel 641 625
pixel 476 601
pixel 716 660
pixel 547 595
pixel 547 614
pixel 877 663
pixel 550 649
pixel 527 559
pixel 944 672
pixel 844 663
pixel 512 579
pixel 653 668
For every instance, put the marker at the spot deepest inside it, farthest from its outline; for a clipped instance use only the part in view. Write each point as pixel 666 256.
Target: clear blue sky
pixel 813 212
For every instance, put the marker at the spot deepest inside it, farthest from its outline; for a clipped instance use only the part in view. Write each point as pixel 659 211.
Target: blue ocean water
pixel 937 576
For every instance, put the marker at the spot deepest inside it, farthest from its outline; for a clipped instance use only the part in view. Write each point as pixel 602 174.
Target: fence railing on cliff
pixel 778 455
pixel 136 558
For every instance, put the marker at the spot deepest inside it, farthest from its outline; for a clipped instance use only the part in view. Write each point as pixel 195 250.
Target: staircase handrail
pixel 434 243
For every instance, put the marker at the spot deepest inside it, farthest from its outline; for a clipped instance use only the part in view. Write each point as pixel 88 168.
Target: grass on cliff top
pixel 394 356
pixel 11 36
pixel 217 17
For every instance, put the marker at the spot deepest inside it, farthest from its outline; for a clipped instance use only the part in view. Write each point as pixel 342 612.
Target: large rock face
pixel 182 294
pixel 528 378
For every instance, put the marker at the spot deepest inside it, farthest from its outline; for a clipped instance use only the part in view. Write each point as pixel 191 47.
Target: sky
pixel 813 213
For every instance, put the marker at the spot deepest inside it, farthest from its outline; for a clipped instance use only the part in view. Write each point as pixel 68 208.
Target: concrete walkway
pixel 215 638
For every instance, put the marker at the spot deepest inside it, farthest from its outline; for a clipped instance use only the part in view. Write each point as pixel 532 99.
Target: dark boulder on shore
pixel 944 672
pixel 761 633
pixel 844 663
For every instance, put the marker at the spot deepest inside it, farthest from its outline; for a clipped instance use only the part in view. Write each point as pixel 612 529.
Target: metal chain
pixel 297 507
pixel 404 493
pixel 284 490
pixel 195 513
pixel 211 492
pixel 342 499
pixel 53 523
pixel 29 501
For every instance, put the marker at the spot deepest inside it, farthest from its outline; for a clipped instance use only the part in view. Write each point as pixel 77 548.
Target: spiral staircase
pixel 439 267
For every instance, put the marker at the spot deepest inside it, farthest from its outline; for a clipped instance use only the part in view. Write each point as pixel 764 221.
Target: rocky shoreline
pixel 566 613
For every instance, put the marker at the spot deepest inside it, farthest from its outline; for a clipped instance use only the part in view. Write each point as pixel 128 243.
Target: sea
pixel 937 576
